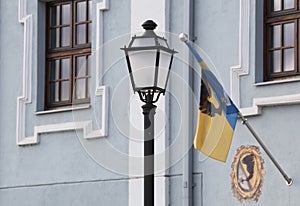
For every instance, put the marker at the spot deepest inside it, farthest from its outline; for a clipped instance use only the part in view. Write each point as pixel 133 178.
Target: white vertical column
pixel 158 11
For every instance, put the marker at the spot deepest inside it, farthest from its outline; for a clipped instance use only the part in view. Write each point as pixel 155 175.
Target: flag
pixel 217 115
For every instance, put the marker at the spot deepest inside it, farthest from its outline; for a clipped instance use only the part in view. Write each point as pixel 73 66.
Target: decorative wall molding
pixel 27 20
pixel 100 89
pixel 243 69
pixel 244 47
pixel 25 98
pixel 100 8
pixel 258 103
pixel 86 126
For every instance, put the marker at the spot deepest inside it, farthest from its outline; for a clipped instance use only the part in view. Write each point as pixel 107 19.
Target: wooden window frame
pixel 273 18
pixel 70 51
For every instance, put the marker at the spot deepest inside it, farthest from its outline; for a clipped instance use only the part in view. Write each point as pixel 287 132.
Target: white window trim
pixel 26 98
pixel 242 69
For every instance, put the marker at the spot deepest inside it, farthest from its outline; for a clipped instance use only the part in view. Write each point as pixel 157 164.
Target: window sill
pixel 277 82
pixel 64 109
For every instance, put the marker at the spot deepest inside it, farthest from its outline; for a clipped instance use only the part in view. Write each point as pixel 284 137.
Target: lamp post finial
pixel 149 25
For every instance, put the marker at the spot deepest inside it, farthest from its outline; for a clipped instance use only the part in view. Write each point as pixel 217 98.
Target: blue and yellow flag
pixel 217 115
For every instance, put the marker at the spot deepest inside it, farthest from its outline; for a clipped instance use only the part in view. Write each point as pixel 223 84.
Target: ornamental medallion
pixel 247 173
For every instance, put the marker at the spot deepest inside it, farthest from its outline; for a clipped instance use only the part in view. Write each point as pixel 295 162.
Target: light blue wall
pixel 58 171
pixel 217 29
pixel 77 194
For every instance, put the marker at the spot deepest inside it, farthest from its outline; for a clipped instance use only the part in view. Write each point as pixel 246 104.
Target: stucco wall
pixel 65 169
pixel 59 170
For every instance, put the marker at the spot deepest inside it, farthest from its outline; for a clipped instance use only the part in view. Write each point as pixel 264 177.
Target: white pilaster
pixel 142 10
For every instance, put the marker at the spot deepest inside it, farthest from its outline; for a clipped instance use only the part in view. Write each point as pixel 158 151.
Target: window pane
pixel 65 90
pixel 81 11
pixel 54 16
pixel 81 34
pixel 81 66
pixel 90 10
pixel 275 33
pixel 275 61
pixel 54 38
pixel 80 89
pixel 65 36
pixel 288 4
pixel 66 14
pixel 53 92
pixel 277 5
pixel 65 69
pixel 288 34
pixel 288 60
pixel 69 29
pixel 54 68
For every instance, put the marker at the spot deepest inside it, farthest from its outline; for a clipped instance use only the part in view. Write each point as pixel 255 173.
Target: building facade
pixel 71 129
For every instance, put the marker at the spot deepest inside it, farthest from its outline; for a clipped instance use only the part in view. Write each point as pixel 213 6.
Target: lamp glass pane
pixel 162 42
pixel 164 65
pixel 143 67
pixel 140 42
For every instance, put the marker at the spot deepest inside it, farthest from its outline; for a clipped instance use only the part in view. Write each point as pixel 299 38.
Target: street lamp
pixel 149 60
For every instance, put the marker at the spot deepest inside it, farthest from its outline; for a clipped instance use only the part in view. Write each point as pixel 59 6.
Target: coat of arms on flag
pixel 217 115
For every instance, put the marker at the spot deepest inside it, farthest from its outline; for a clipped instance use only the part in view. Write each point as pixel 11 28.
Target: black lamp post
pixel 149 60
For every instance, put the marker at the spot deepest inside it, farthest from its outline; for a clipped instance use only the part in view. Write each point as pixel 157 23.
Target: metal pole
pixel 149 112
pixel 187 115
pixel 288 180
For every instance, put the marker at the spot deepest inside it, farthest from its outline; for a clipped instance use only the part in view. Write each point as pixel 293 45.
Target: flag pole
pixel 183 37
pixel 288 180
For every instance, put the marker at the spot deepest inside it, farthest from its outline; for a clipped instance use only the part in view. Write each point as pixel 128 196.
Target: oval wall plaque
pixel 247 173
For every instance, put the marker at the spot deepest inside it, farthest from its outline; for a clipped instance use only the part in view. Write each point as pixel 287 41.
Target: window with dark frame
pixel 68 43
pixel 282 24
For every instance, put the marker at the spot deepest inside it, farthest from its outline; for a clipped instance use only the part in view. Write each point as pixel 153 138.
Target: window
pixel 68 43
pixel 282 23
